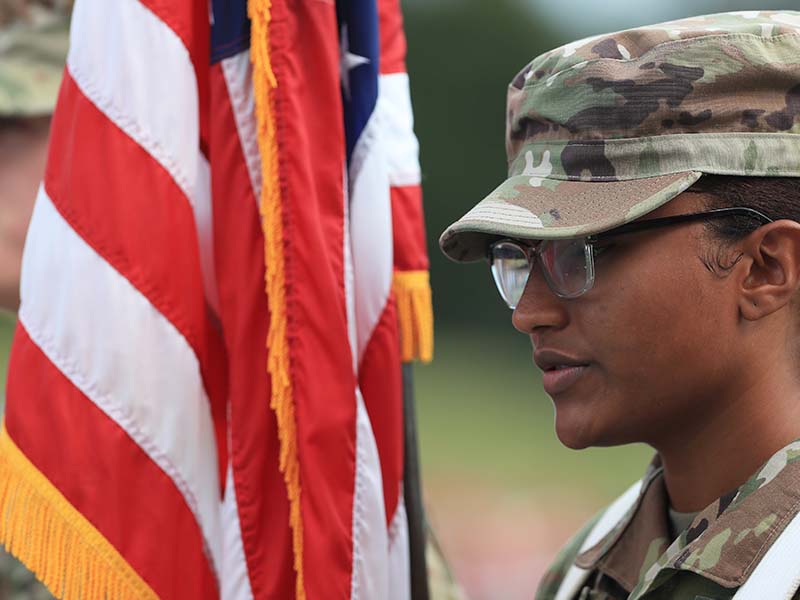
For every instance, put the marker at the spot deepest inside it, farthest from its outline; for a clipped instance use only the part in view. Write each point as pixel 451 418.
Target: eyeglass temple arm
pixel 637 226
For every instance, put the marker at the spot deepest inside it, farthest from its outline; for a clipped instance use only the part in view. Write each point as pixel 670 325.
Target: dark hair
pixel 776 197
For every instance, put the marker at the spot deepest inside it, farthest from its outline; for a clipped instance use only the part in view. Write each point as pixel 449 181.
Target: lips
pixel 560 371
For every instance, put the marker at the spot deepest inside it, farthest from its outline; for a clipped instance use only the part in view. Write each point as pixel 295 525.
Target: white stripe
pixel 349 276
pixel 238 72
pixel 370 579
pixel 235 584
pixel 777 575
pixel 576 576
pixel 370 228
pixel 139 74
pixel 399 553
pixel 385 154
pixel 401 143
pixel 204 223
pixel 125 356
pixel 134 68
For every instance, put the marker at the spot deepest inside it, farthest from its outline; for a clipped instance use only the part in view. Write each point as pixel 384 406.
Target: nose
pixel 539 309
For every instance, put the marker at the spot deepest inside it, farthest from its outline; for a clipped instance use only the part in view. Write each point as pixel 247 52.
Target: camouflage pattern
pixel 557 209
pixel 711 558
pixel 609 128
pixel 34 38
pixel 33 49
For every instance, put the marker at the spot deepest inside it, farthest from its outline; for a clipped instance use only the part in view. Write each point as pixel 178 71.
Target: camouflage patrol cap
pixel 604 130
pixel 34 38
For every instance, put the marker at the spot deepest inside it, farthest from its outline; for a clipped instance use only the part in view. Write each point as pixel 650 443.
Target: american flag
pixel 224 270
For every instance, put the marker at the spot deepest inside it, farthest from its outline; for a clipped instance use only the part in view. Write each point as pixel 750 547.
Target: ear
pixel 771 269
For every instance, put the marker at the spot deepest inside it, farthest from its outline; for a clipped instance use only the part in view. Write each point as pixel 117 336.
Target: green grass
pixel 483 416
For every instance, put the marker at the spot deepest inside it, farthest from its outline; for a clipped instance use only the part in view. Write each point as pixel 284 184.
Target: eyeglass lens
pixel 510 270
pixel 567 267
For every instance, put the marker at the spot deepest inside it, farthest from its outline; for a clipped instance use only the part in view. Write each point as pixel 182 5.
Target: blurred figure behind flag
pixel 225 269
pixel 33 47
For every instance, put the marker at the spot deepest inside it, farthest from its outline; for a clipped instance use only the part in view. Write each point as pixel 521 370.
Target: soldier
pixel 648 241
pixel 33 46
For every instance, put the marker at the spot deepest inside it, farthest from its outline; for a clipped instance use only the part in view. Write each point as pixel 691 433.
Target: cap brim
pixel 526 207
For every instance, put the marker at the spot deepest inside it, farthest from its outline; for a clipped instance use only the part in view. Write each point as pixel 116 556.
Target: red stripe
pixel 408 223
pixel 239 253
pixel 305 51
pixel 105 475
pixel 381 382
pixel 190 22
pixel 128 208
pixel 393 38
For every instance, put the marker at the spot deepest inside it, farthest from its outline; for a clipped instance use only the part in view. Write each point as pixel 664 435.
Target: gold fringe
pixel 282 402
pixel 42 529
pixel 412 292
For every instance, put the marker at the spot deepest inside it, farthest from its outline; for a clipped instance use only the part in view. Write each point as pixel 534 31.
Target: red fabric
pixel 305 54
pixel 149 220
pixel 106 476
pixel 393 38
pixel 239 254
pixel 381 382
pixel 408 221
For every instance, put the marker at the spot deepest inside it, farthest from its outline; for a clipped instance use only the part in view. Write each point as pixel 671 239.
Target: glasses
pixel 568 264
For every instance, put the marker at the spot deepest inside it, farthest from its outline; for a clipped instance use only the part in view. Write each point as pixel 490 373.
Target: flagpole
pixel 412 491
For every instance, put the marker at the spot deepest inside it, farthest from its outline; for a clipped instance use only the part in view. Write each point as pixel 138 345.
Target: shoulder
pixel 551 581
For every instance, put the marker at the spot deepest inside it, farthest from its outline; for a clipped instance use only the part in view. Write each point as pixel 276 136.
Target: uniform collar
pixel 725 541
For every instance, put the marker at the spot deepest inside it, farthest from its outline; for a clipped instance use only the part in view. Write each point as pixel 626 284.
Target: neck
pixel 734 436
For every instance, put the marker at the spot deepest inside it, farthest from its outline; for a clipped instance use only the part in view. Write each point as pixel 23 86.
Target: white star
pixel 348 61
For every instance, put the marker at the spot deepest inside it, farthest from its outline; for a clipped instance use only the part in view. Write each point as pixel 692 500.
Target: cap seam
pixel 703 170
pixel 772 137
pixel 630 140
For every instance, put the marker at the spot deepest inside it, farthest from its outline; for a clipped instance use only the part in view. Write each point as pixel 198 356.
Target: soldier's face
pixel 642 356
pixel 23 152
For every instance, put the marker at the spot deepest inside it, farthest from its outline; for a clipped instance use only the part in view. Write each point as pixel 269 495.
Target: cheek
pixel 660 335
pixel 20 179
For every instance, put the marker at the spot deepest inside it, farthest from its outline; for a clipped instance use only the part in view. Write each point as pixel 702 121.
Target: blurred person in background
pixel 33 48
pixel 648 240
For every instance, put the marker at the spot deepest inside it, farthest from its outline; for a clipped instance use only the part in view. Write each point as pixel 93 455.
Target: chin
pixel 574 436
pixel 594 419
pixel 578 433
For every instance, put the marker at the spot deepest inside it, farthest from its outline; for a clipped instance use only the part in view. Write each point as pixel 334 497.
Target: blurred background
pixel 502 493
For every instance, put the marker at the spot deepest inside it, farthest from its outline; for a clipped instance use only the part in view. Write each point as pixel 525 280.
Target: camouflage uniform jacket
pixel 710 560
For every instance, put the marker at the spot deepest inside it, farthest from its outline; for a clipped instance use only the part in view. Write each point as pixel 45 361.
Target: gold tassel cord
pixel 282 401
pixel 45 532
pixel 412 293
